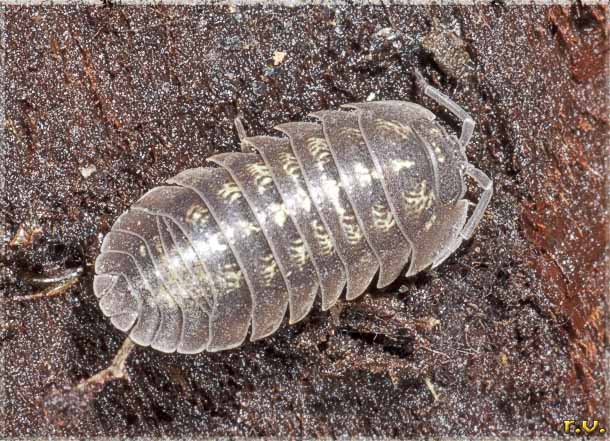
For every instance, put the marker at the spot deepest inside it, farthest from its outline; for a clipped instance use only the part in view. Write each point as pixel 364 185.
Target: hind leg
pixel 239 128
pixel 449 104
pixel 241 134
pixel 486 184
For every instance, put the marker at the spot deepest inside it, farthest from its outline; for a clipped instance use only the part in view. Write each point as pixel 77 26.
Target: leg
pixel 487 186
pixel 449 104
pixel 241 134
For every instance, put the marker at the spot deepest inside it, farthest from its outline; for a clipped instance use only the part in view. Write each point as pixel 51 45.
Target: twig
pixel 431 388
pixel 68 403
pixel 47 293
pixel 116 370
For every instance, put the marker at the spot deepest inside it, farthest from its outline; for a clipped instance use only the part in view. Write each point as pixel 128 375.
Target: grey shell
pixel 195 263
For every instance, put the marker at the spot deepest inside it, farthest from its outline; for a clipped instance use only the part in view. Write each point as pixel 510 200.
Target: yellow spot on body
pixel 401 164
pixel 382 217
pixel 418 200
pixel 197 215
pixel 324 241
pixel 350 133
pixel 394 127
pixel 270 269
pixel 298 253
pixel 142 250
pixel 319 150
pixel 262 176
pixel 290 164
pixel 158 245
pixel 232 277
pixel 352 230
pixel 230 191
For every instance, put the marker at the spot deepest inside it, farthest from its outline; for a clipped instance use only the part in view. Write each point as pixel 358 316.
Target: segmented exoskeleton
pixel 222 251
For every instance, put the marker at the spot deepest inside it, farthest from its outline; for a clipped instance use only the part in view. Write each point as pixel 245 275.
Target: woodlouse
pixel 195 262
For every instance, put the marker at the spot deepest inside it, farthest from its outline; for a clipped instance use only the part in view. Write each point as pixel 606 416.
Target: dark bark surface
pixel 506 337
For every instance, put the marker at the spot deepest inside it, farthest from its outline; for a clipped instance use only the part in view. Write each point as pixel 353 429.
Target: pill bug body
pixel 229 249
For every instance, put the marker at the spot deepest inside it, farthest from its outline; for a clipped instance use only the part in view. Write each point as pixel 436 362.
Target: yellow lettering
pixel 567 424
pixel 585 426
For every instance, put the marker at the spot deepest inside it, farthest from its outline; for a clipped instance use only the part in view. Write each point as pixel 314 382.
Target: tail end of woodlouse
pixel 103 283
pixel 117 300
pixel 245 146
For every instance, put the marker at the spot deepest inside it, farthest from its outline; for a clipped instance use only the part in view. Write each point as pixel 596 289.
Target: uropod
pixel 219 252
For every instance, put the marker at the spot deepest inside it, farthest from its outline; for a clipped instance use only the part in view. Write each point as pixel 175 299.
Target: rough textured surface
pixel 506 337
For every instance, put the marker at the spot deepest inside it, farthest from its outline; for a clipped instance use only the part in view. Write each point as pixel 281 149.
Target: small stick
pixel 431 388
pixel 44 280
pixel 47 293
pixel 67 402
pixel 116 370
